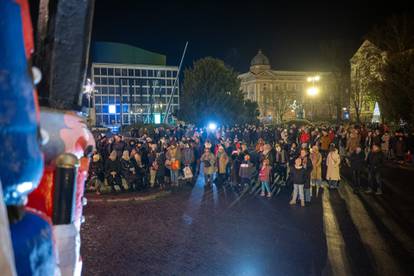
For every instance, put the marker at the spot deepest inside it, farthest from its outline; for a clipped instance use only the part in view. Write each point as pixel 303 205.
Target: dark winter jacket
pixel 112 166
pixel 281 157
pixel 246 169
pixel 357 161
pixel 298 176
pixel 187 156
pixel 119 147
pixel 96 169
pixel 375 160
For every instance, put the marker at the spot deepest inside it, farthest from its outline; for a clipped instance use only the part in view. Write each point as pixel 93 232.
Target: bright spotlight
pixel 212 126
pixel 312 91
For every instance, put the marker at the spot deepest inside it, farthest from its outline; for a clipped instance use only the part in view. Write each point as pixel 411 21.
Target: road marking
pixel 370 236
pixel 334 239
pixel 406 241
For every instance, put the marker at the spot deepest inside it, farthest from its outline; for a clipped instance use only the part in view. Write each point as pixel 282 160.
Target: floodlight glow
pixel 212 126
pixel 112 109
pixel 157 118
pixel 312 91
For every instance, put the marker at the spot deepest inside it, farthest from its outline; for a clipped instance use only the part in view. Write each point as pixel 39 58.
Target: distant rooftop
pixel 112 52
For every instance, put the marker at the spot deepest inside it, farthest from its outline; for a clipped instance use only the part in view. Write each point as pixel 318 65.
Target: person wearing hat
pixel 246 171
pixel 222 161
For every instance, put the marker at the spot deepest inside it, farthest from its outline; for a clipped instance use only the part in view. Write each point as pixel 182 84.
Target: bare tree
pixel 337 54
pixel 357 95
pixel 278 101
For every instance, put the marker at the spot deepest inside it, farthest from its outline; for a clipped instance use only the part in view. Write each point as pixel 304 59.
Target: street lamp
pixel 313 91
pixel 88 90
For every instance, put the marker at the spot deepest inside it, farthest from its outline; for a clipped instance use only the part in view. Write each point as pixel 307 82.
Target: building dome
pixel 260 59
pixel 259 63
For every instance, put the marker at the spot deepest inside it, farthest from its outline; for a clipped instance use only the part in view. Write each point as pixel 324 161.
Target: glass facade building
pixel 133 93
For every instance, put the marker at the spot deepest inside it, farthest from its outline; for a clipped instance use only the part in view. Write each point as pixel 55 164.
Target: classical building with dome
pixel 284 95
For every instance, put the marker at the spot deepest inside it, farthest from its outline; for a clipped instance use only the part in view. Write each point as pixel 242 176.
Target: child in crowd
pixel 264 177
pixel 298 176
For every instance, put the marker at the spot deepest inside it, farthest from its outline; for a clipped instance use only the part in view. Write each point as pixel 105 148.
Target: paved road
pixel 202 231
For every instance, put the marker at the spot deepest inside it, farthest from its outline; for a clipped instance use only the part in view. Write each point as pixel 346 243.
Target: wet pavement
pixel 205 231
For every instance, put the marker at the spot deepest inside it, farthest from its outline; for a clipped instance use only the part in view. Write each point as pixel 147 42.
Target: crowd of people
pixel 300 157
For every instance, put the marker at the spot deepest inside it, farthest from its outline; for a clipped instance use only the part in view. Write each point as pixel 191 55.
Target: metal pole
pixel 167 111
pixel 120 102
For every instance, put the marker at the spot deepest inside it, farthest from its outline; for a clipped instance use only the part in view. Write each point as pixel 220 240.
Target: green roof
pixel 112 52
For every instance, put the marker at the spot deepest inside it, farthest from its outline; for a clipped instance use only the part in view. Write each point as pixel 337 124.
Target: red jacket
pixel 304 137
pixel 264 174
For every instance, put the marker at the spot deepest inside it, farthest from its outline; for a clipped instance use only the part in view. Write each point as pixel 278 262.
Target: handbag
pixel 187 173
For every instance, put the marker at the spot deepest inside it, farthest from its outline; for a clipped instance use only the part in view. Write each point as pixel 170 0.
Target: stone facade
pixel 365 67
pixel 276 91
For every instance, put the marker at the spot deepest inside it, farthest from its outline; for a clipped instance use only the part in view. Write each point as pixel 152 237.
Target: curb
pixel 131 198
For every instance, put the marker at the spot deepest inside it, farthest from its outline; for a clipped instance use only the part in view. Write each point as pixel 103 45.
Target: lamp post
pixel 88 90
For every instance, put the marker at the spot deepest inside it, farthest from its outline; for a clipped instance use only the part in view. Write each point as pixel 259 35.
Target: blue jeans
pixel 333 183
pixel 265 187
pixel 174 177
pixel 307 195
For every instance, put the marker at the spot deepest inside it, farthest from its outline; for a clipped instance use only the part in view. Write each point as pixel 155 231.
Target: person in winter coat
pixel 325 142
pixel 307 165
pixel 209 163
pixel 400 148
pixel 304 137
pixel 222 161
pixel 298 177
pixel 187 158
pixel 153 173
pixel 113 172
pixel 160 170
pixel 385 143
pixel 332 162
pixel 173 158
pixel 375 163
pixel 237 159
pixel 353 141
pixel 126 166
pixel 139 171
pixel 264 177
pixel 316 174
pixel 246 171
pixel 293 154
pixel 118 146
pixel 96 175
pixel 281 161
pixel 357 164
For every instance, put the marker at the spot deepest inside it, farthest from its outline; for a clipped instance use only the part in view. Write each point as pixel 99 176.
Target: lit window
pixel 112 109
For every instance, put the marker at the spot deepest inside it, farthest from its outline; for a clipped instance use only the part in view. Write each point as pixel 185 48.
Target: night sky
pixel 290 34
